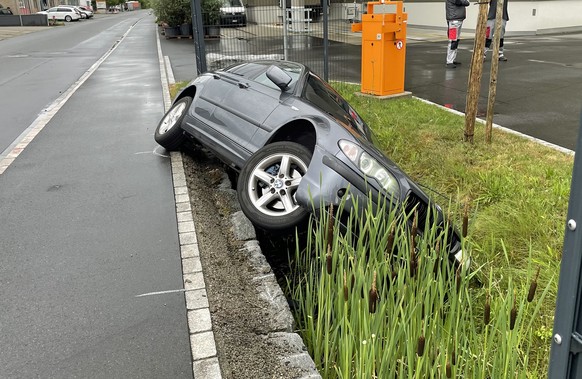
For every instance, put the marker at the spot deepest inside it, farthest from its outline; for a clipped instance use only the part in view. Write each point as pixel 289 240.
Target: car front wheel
pixel 169 132
pixel 68 18
pixel 268 182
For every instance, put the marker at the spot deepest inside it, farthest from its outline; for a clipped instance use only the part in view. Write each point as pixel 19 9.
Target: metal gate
pixel 318 36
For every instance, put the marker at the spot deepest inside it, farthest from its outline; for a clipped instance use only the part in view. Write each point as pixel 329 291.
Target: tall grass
pixel 379 302
pixel 516 192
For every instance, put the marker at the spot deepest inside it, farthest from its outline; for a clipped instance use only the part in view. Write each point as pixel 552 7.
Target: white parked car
pixel 86 10
pixel 62 13
pixel 82 12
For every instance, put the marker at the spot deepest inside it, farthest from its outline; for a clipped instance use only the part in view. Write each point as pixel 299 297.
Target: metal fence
pixel 307 35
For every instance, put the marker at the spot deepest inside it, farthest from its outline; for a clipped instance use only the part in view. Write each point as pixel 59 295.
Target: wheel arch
pixel 299 131
pixel 188 91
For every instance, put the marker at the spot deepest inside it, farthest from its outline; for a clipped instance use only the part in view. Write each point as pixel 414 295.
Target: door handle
pixel 243 85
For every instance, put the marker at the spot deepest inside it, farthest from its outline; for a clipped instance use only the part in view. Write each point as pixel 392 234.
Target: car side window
pixel 327 99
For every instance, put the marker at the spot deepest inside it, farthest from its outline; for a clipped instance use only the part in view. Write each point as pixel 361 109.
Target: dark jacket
pixel 455 9
pixel 493 10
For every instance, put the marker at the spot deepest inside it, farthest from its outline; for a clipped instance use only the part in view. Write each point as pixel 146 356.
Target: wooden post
pixel 494 69
pixel 475 72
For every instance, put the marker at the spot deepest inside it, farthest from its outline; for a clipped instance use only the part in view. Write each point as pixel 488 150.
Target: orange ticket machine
pixel 383 48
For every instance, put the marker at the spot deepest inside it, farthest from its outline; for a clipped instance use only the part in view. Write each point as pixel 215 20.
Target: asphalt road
pixel 538 88
pixel 87 222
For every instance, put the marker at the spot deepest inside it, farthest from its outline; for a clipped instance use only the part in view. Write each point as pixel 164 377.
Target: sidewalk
pixel 13 31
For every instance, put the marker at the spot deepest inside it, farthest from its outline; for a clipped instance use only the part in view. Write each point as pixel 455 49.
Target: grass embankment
pixel 517 193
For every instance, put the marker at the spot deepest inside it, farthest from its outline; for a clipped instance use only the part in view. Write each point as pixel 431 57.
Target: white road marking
pixel 169 71
pixel 160 154
pixel 549 62
pixel 162 292
pixel 14 150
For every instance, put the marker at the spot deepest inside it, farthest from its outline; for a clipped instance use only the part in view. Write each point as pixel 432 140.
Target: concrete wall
pixel 525 17
pixel 24 20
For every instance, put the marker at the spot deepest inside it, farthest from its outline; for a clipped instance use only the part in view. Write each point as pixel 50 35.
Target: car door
pixel 246 105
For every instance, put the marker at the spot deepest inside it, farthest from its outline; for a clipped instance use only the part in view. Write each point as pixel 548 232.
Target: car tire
pixel 68 18
pixel 266 191
pixel 169 132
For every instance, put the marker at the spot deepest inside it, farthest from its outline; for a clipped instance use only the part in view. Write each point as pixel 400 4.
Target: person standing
pixel 456 13
pixel 491 27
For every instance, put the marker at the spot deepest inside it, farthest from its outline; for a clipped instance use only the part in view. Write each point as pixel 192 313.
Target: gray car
pixel 295 142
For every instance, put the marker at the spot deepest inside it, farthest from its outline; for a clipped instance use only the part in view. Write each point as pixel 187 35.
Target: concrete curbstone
pixel 241 227
pixel 199 320
pixel 190 251
pixel 297 357
pixel 255 257
pixel 196 299
pixel 207 369
pixel 194 281
pixel 203 345
pixel 191 265
pixel 187 238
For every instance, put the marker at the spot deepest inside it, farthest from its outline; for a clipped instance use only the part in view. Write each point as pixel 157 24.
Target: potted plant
pixel 211 17
pixel 186 27
pixel 171 14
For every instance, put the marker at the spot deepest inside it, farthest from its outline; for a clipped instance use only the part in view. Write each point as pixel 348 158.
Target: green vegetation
pixel 517 193
pixel 381 304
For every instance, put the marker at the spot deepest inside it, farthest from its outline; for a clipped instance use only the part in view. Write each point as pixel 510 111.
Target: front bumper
pixel 329 178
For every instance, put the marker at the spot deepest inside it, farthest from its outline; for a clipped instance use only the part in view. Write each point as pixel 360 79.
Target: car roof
pixel 256 69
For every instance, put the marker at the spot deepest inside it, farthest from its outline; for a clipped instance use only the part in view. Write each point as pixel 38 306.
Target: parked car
pixel 5 11
pixel 88 11
pixel 82 12
pixel 233 13
pixel 62 13
pixel 296 143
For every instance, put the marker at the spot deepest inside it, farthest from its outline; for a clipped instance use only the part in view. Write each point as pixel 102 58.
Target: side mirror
pixel 279 77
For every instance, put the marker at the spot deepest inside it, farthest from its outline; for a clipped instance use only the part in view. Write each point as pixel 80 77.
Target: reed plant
pixel 379 300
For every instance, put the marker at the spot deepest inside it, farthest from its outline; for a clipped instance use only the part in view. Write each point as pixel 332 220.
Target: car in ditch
pixel 295 142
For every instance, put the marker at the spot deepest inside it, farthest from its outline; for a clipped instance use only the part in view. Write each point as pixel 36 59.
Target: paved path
pixel 88 225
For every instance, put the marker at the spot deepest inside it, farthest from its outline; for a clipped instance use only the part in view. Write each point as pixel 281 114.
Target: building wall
pixel 12 4
pixel 525 17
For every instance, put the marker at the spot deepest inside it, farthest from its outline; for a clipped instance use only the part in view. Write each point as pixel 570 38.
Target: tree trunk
pixel 475 72
pixel 494 69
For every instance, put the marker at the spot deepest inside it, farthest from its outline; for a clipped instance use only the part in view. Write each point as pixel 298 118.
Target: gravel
pixel 252 324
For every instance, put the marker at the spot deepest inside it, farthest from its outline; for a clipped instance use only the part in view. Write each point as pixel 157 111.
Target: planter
pixel 172 31
pixel 212 31
pixel 186 29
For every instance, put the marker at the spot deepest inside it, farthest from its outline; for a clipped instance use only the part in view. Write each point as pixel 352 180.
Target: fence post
pixel 198 30
pixel 325 41
pixel 565 361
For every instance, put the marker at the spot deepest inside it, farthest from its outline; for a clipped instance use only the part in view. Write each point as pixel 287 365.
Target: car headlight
pixel 370 167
